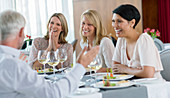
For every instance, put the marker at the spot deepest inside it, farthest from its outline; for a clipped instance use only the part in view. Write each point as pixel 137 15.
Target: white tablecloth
pixel 158 89
pixel 94 95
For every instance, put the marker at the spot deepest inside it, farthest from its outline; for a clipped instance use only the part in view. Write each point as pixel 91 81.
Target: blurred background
pixel 154 14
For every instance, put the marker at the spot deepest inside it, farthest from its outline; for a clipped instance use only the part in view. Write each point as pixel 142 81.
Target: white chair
pixel 159 44
pixel 165 58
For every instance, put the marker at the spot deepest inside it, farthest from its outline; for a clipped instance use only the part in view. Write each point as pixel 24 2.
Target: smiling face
pixel 121 26
pixel 55 26
pixel 88 30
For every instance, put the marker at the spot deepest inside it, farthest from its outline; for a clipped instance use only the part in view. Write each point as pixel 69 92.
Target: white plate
pixel 119 77
pixel 84 91
pixel 50 72
pixel 100 85
pixel 147 81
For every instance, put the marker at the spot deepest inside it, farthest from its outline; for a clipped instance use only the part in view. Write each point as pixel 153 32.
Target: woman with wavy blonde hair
pixel 57 31
pixel 94 33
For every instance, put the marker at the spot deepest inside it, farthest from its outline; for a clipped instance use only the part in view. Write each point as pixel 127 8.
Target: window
pixel 37 13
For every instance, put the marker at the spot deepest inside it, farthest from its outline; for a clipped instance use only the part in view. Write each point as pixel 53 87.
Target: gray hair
pixel 10 24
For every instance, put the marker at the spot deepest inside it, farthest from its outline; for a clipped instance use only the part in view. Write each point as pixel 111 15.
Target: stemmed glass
pixel 52 60
pixel 62 54
pixel 95 65
pixel 42 58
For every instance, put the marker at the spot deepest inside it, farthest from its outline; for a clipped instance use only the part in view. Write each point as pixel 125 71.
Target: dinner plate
pixel 84 91
pixel 51 72
pixel 118 77
pixel 100 85
pixel 47 72
pixel 147 81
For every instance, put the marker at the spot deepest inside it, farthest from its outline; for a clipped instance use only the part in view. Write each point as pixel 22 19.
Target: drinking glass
pixel 42 58
pixel 95 65
pixel 62 54
pixel 52 60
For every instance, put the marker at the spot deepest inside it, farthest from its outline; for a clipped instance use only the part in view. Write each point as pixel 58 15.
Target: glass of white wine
pixel 62 54
pixel 42 58
pixel 52 60
pixel 95 65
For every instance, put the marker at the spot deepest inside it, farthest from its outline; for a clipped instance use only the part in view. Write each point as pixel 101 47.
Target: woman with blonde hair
pixel 94 33
pixel 57 31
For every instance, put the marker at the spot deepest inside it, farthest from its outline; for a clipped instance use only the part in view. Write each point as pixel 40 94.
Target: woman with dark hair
pixel 57 31
pixel 135 52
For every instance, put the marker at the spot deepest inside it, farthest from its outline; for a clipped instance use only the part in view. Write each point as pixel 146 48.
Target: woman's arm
pixel 70 56
pixel 107 50
pixel 145 72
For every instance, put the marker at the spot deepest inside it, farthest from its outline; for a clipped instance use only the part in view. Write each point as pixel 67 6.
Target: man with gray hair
pixel 17 79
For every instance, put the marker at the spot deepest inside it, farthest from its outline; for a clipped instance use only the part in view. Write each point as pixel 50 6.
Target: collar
pixel 9 50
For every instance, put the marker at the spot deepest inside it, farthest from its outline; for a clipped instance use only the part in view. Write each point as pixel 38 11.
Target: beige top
pixel 145 54
pixel 106 51
pixel 42 44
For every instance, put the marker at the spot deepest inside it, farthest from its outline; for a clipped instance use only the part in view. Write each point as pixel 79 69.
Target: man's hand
pixel 86 59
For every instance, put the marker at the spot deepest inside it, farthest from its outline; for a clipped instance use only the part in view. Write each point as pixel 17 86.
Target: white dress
pixel 145 54
pixel 106 51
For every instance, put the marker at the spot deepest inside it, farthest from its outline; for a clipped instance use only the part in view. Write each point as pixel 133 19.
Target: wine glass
pixel 62 54
pixel 95 65
pixel 42 58
pixel 52 60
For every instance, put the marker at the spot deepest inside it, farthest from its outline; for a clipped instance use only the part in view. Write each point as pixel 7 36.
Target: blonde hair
pixel 63 34
pixel 95 19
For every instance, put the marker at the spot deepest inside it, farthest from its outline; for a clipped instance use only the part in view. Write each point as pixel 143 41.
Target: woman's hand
pixel 120 68
pixel 53 41
pixel 85 59
pixel 50 45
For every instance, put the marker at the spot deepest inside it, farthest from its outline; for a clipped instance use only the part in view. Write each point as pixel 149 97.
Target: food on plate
pixel 111 76
pixel 120 76
pixel 120 83
pixel 107 83
pixel 123 83
pixel 46 70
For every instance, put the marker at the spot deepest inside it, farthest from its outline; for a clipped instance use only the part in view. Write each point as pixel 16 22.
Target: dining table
pixel 142 88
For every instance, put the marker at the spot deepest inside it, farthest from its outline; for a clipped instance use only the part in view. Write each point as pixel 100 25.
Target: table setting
pixel 134 87
pixel 104 85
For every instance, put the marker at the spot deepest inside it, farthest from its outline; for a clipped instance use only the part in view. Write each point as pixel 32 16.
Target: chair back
pixel 25 44
pixel 74 43
pixel 159 44
pixel 165 58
